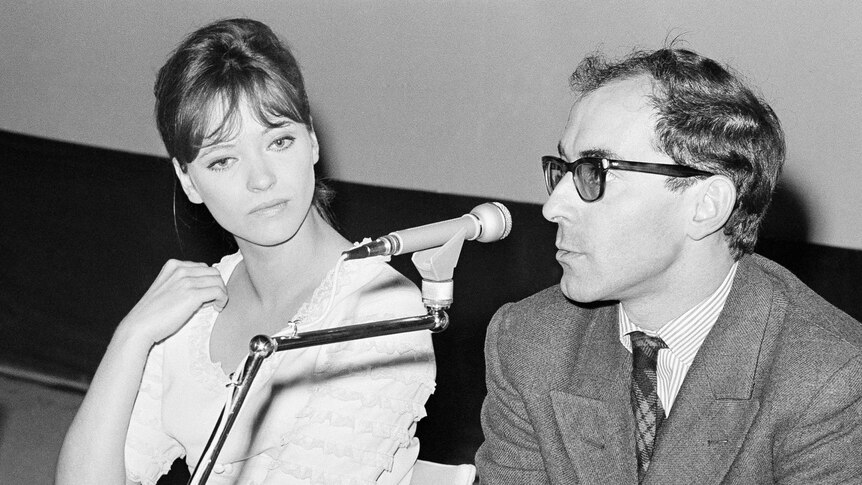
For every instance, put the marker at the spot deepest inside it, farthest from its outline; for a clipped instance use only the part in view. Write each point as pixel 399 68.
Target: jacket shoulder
pixel 544 314
pixel 807 315
pixel 541 334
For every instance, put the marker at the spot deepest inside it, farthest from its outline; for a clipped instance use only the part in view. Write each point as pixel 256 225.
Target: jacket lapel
pixel 718 399
pixel 592 410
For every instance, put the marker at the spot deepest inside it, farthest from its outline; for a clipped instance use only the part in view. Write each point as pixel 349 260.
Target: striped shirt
pixel 683 335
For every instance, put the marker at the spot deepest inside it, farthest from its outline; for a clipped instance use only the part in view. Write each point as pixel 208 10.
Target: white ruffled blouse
pixel 336 414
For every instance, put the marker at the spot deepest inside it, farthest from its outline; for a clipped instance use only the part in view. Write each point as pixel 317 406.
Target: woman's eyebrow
pixel 207 149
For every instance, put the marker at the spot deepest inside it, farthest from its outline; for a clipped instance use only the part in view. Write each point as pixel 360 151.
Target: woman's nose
pixel 261 176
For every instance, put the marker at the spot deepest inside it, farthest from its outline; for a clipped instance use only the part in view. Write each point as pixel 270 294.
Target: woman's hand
pixel 93 449
pixel 180 289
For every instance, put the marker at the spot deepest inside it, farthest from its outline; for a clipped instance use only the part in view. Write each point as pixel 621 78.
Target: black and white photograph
pixel 430 242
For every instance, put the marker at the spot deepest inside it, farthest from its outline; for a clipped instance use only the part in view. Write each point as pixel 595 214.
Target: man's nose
pixel 559 204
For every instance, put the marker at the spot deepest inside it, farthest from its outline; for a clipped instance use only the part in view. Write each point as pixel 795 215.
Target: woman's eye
pixel 219 164
pixel 282 143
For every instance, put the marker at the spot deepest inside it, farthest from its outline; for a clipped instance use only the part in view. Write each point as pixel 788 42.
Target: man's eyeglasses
pixel 589 173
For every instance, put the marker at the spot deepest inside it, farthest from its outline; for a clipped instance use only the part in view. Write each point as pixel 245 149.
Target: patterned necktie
pixel 644 396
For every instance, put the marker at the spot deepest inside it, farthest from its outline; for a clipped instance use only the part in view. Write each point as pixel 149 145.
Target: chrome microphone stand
pixel 436 296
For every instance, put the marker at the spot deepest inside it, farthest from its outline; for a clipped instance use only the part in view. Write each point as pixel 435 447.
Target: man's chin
pixel 576 292
pixel 586 300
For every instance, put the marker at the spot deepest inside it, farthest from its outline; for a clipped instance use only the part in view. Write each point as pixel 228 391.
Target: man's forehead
pixel 616 117
pixel 630 90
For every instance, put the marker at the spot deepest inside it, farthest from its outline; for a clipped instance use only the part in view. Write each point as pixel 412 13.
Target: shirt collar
pixel 684 334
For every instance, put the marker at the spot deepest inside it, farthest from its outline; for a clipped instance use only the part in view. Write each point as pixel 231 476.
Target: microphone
pixel 487 222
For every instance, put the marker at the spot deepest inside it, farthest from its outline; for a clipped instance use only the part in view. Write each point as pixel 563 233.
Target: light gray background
pixel 457 97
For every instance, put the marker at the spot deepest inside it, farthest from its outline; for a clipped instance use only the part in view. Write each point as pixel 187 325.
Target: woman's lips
pixel 270 207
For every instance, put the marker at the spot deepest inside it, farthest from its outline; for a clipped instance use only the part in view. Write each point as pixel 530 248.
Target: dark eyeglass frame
pixel 602 165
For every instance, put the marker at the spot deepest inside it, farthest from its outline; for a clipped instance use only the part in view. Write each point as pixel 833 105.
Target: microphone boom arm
pixel 438 246
pixel 262 346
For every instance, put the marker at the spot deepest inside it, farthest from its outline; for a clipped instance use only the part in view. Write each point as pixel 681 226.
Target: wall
pixel 454 96
pixel 114 211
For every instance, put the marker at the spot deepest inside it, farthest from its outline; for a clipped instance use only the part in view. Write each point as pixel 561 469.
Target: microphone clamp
pixel 382 246
pixel 487 222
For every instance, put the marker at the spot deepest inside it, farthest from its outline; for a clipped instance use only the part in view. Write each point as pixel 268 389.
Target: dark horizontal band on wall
pixel 86 230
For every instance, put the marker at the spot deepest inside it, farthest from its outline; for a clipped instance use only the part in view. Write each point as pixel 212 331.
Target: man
pixel 669 353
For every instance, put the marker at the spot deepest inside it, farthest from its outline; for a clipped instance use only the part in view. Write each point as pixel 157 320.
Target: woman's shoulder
pixel 379 290
pixel 227 264
pixel 375 275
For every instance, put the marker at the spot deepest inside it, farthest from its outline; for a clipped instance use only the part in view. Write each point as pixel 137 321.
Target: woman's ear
pixel 315 147
pixel 716 198
pixel 187 183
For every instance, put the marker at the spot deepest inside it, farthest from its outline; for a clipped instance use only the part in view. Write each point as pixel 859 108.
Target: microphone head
pixel 495 221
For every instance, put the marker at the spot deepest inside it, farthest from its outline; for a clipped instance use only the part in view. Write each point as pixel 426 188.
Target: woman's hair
pixel 224 64
pixel 707 119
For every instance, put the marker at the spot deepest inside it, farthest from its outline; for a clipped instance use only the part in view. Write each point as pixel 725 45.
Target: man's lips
pixel 565 253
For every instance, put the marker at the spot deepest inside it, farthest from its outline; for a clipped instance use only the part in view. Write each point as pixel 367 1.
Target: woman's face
pixel 259 184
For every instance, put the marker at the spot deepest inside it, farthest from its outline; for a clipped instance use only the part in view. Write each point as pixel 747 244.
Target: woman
pixel 232 111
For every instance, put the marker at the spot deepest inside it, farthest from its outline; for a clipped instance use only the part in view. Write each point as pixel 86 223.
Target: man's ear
pixel 715 200
pixel 187 183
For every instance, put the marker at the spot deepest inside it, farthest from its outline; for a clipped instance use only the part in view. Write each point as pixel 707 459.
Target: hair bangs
pixel 271 100
pixel 210 115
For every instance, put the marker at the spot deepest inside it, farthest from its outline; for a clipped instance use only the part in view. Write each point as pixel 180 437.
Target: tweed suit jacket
pixel 774 394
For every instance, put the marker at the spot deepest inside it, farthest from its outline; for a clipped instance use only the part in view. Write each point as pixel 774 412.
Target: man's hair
pixel 707 119
pixel 222 65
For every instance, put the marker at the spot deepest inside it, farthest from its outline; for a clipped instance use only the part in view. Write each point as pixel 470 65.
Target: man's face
pixel 626 245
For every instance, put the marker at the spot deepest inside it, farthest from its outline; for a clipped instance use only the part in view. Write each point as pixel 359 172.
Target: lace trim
pixel 405 412
pixel 395 433
pixel 309 316
pixel 312 310
pixel 381 345
pixel 423 391
pixel 158 463
pixel 396 429
pixel 374 372
pixel 204 370
pixel 211 374
pixel 361 456
pixel 318 476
